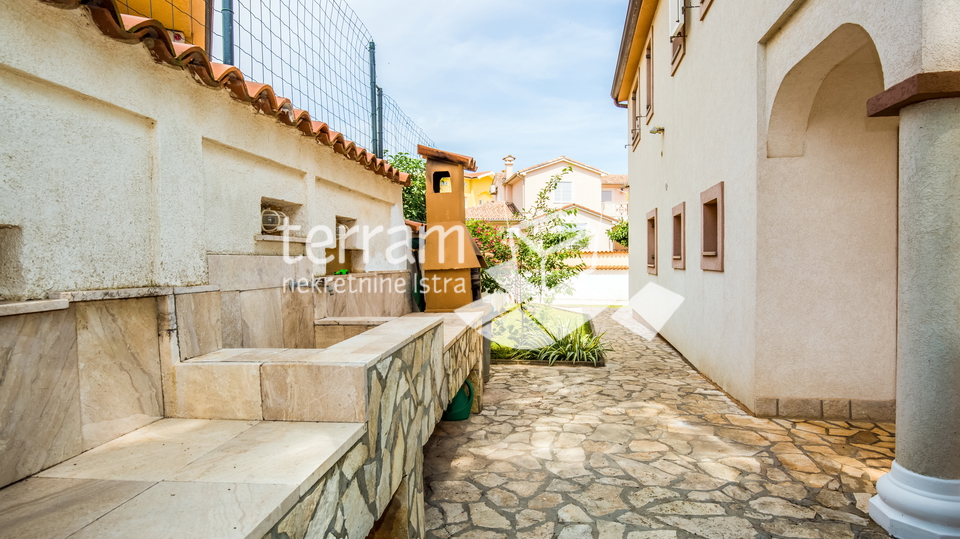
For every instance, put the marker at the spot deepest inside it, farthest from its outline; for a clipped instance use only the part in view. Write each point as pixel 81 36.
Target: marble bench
pixel 290 384
pixel 179 478
pixel 245 478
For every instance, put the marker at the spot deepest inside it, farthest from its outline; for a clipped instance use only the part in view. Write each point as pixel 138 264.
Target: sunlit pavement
pixel 644 448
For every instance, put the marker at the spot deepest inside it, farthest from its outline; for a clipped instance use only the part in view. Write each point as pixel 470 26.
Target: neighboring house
pixel 605 278
pixel 796 180
pixel 600 198
pixel 477 186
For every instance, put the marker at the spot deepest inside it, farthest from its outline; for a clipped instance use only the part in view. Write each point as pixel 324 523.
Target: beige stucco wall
pixel 734 325
pixel 586 185
pixel 706 140
pixel 124 172
pixel 827 249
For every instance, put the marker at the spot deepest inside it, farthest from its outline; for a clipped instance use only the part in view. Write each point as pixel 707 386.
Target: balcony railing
pixel 615 209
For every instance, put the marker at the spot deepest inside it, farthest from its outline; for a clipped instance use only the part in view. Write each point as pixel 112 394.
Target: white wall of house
pixel 806 305
pixel 598 285
pixel 595 227
pixel 127 173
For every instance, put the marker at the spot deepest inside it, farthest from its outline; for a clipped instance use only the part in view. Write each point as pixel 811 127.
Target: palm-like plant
pixel 576 346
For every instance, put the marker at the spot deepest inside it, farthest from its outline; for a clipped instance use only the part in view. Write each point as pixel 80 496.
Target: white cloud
pixel 527 77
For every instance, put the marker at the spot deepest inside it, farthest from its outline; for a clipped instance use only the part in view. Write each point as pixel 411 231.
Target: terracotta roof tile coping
pixel 132 29
pixel 467 162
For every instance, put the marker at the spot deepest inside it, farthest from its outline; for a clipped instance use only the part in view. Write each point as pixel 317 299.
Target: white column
pixel 920 497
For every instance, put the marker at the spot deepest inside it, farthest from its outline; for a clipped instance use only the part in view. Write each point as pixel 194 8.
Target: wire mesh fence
pixel 318 54
pixel 400 132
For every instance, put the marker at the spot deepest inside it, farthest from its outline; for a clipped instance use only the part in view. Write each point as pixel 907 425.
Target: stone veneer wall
pixel 383 473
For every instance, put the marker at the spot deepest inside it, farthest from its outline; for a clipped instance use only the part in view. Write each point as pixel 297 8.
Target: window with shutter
pixel 676 16
pixel 652 242
pixel 711 202
pixel 648 99
pixel 679 236
pixel 635 114
pixel 678 32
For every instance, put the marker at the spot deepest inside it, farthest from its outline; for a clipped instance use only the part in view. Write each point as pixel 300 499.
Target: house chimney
pixel 508 164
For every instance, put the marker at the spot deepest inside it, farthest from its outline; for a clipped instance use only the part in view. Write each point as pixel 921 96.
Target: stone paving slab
pixel 645 448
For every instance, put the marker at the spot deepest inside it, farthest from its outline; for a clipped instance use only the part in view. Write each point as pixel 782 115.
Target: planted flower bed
pixel 534 334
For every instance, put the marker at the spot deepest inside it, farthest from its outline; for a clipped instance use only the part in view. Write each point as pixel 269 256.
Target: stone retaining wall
pixel 378 485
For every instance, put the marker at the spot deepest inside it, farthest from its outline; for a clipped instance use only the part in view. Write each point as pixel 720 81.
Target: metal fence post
pixel 375 146
pixel 208 13
pixel 379 135
pixel 227 32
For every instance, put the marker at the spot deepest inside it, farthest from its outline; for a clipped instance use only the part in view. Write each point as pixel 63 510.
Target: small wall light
pixel 657 130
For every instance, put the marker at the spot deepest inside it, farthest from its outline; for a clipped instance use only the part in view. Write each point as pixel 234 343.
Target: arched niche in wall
pixel 798 90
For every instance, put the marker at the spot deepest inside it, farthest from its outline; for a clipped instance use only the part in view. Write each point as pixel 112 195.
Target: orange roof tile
pixel 132 29
pixel 494 211
pixel 588 210
pixel 615 179
pixel 563 159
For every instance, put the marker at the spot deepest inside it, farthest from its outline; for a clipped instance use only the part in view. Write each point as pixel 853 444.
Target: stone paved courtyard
pixel 645 448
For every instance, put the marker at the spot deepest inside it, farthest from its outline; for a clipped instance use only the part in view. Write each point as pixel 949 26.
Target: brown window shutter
pixel 704 6
pixel 649 103
pixel 677 48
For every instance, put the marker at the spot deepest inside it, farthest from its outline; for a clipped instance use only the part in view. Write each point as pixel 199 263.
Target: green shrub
pixel 540 332
pixel 620 232
pixel 580 345
pixel 414 196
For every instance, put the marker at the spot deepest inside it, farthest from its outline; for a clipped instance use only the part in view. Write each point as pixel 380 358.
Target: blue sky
pixel 495 77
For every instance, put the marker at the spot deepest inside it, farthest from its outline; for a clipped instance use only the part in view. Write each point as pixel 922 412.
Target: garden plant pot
pixel 461 404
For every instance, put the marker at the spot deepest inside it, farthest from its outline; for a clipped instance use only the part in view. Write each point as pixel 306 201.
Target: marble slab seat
pixel 455 324
pixel 179 478
pixel 354 320
pixel 333 330
pixel 278 384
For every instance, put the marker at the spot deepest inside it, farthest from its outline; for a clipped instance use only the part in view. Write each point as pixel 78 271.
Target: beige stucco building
pixel 600 198
pixel 795 178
